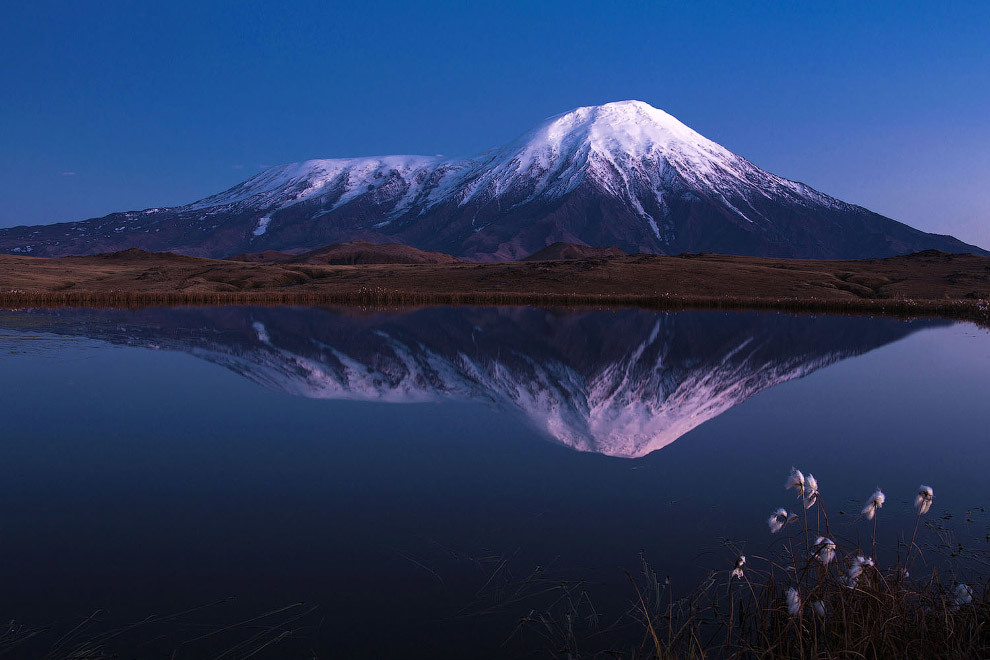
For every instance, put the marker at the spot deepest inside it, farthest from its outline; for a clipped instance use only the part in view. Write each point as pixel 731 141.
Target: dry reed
pixel 965 309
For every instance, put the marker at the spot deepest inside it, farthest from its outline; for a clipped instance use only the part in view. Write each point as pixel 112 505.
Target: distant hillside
pixel 352 253
pixel 561 250
pixel 266 257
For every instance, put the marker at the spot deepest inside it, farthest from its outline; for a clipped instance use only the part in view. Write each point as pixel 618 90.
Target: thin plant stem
pixel 875 536
pixel 646 614
pixel 917 520
pixel 821 506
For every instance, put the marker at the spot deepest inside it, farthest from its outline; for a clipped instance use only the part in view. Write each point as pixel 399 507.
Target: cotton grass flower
pixel 795 481
pixel 793 602
pixel 818 607
pixel 824 550
pixel 875 502
pixel 737 572
pixel 779 518
pixel 851 579
pixel 962 595
pixel 810 491
pixel 923 501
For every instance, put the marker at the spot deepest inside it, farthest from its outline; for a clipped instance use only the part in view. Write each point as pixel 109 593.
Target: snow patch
pixel 262 226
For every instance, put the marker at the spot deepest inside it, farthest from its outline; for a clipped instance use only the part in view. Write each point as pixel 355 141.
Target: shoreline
pixel 976 311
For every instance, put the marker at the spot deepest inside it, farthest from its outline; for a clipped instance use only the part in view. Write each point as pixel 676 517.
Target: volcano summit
pixel 622 174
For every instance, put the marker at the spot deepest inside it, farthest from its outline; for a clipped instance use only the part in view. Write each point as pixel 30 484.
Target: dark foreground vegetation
pixel 814 595
pixel 928 283
pixel 884 616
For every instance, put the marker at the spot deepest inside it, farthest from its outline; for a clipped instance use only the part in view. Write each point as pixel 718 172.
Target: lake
pixel 421 480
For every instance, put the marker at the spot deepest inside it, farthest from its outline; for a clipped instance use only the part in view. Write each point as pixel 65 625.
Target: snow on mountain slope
pixel 609 145
pixel 613 143
pixel 278 187
pixel 623 174
pixel 637 155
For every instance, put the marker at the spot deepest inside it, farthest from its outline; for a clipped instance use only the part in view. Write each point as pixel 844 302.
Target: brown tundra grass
pixel 964 309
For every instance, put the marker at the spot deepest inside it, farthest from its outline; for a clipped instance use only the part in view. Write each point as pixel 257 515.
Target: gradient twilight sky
pixel 112 106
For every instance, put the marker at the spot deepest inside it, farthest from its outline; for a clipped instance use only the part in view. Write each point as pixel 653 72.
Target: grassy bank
pixel 925 284
pixel 971 310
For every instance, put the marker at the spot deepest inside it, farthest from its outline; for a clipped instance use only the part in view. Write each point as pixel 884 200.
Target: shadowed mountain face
pixel 622 174
pixel 622 383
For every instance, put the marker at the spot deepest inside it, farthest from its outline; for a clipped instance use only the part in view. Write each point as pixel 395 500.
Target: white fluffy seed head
pixel 875 502
pixel 793 602
pixel 824 550
pixel 819 608
pixel 795 481
pixel 923 501
pixel 962 595
pixel 810 491
pixel 859 563
pixel 777 520
pixel 737 572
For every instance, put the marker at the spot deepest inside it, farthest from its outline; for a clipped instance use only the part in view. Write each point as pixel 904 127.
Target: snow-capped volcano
pixel 637 155
pixel 614 146
pixel 624 174
pixel 619 383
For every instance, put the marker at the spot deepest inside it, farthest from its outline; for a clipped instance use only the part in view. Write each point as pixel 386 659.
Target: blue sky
pixel 110 106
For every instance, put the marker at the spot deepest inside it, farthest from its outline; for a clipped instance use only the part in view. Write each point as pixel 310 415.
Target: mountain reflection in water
pixel 621 383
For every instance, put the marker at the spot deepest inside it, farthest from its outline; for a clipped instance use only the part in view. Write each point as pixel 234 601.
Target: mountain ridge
pixel 623 174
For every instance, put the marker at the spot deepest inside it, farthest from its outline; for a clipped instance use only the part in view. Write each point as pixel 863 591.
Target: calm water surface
pixel 406 473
